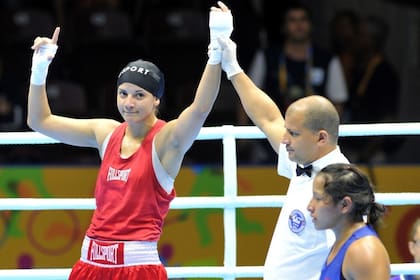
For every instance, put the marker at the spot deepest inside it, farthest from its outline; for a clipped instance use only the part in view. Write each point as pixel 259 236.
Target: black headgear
pixel 144 74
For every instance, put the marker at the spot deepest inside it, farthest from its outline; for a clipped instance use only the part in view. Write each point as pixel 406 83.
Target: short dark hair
pixel 296 5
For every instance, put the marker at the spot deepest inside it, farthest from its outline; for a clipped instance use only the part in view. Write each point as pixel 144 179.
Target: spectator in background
pixel 374 92
pixel 414 248
pixel 299 67
pixel 344 31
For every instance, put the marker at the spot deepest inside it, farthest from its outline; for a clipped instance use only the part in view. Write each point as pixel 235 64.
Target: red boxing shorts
pixel 118 260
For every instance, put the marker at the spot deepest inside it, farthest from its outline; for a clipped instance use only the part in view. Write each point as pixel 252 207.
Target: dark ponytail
pixel 343 180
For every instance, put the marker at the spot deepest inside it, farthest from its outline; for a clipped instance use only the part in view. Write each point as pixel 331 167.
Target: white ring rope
pixel 240 132
pixel 229 202
pixel 179 272
pixel 207 202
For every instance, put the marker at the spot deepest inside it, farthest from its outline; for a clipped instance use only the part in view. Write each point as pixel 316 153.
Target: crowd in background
pixel 100 36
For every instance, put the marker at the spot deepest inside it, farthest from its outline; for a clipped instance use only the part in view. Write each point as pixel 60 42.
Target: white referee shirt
pixel 297 250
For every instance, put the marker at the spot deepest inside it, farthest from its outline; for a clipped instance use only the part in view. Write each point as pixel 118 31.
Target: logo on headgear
pixel 141 70
pixel 297 221
pixel 145 74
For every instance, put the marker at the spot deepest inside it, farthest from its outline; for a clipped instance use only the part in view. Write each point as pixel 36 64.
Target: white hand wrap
pixel 214 53
pixel 229 61
pixel 41 60
pixel 221 25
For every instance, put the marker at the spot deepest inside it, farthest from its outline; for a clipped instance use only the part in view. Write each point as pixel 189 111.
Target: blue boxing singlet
pixel 333 270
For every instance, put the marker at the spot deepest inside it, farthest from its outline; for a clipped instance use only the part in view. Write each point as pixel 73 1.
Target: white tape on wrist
pixel 41 60
pixel 214 53
pixel 220 24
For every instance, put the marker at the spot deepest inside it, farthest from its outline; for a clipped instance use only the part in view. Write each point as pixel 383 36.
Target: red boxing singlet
pixel 130 202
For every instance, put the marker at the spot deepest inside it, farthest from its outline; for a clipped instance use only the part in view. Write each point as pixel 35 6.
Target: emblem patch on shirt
pixel 116 174
pixel 297 221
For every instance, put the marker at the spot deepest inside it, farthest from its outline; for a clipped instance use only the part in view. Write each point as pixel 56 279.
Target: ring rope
pixel 240 132
pixel 267 201
pixel 179 272
pixel 229 202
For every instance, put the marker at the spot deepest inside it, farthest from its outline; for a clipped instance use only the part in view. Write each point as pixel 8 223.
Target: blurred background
pixel 99 37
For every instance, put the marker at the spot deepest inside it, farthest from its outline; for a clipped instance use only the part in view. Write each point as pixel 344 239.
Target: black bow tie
pixel 304 170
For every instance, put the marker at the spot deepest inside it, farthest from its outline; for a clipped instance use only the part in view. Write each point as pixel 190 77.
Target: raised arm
pixel 178 135
pixel 40 118
pixel 259 107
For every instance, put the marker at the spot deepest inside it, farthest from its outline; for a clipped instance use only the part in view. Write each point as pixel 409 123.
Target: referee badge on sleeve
pixel 297 221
